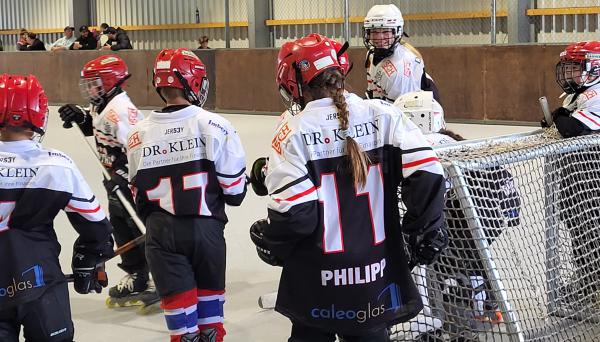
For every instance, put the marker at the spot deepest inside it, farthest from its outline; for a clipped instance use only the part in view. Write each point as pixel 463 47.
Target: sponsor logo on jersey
pixel 332 116
pixel 132 115
pixel 353 275
pixel 17 172
pixel 217 125
pixel 590 93
pixel 407 69
pixel 173 130
pixel 30 278
pixel 337 134
pixel 389 68
pixel 281 135
pixel 7 159
pixel 134 140
pixel 58 154
pixel 173 146
pixel 112 116
pixel 389 299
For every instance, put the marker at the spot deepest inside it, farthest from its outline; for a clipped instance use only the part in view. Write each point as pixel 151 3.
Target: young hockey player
pixel 185 165
pixel 578 74
pixel 111 117
pixel 333 211
pixel 35 184
pixel 394 67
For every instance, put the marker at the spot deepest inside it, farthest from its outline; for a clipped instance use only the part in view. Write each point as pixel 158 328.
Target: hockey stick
pixel 546 110
pixel 267 301
pixel 118 192
pixel 125 248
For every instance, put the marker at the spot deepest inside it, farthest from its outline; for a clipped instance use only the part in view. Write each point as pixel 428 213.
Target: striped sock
pixel 181 314
pixel 210 311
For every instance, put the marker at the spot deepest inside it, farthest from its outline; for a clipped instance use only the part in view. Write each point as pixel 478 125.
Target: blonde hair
pixel 330 83
pixel 411 48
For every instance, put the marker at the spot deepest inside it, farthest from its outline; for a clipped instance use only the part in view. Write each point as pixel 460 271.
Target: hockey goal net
pixel 523 264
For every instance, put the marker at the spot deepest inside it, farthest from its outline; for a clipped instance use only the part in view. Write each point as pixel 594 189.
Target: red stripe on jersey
pixel 227 186
pixel 419 162
pixel 85 211
pixel 295 197
pixel 587 117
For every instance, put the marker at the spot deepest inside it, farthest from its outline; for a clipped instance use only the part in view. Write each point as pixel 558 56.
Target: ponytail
pixel 331 84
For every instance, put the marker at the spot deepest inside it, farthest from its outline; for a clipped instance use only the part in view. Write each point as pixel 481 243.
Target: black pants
pixel 302 333
pixel 124 231
pixel 46 319
pixel 185 253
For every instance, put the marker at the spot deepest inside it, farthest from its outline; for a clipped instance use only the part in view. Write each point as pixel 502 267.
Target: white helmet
pixel 423 110
pixel 382 17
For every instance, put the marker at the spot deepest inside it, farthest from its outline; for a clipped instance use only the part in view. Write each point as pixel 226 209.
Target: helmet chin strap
pixel 109 94
pixel 301 100
pixel 187 90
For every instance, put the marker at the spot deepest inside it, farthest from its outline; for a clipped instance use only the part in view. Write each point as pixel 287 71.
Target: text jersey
pixel 587 108
pixel 345 269
pixel 187 163
pixel 35 184
pixel 111 127
pixel 398 74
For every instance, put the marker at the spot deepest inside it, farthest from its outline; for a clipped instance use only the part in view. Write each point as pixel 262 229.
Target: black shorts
pixel 185 253
pixel 46 319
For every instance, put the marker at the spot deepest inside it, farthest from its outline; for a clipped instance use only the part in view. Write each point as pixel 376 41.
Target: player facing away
pixel 109 120
pixel 578 74
pixel 185 164
pixel 35 184
pixel 394 67
pixel 333 220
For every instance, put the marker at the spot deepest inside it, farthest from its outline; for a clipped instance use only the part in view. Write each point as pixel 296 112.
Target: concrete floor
pixel 247 277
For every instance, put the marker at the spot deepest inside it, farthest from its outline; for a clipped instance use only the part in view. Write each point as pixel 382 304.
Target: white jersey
pixel 395 75
pixel 186 162
pixel 111 127
pixel 35 185
pixel 438 139
pixel 587 108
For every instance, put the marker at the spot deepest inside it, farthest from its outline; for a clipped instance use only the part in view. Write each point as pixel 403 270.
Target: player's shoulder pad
pixel 216 125
pixel 589 98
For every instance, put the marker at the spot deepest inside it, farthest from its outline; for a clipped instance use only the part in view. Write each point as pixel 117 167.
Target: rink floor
pixel 247 277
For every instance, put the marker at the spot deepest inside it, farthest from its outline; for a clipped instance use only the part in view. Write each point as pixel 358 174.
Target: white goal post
pixel 523 212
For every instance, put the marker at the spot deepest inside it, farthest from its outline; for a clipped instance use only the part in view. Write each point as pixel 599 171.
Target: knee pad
pixel 208 335
pixel 190 338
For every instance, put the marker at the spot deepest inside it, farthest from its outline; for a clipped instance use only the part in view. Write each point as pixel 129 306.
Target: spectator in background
pixel 117 40
pixel 103 35
pixel 22 42
pixel 34 44
pixel 66 41
pixel 86 40
pixel 203 41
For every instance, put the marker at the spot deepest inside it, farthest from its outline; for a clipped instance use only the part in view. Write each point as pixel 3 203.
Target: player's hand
pixel 257 235
pixel 428 246
pixel 118 180
pixel 560 111
pixel 257 177
pixel 70 113
pixel 88 275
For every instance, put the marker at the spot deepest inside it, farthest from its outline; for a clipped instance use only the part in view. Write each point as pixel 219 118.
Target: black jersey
pixel 186 163
pixel 35 184
pixel 345 269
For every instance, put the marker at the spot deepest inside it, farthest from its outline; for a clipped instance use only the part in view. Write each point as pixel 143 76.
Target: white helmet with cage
pixel 383 17
pixel 423 110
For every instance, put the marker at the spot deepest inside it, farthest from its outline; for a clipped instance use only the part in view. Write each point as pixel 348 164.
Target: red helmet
pixel 284 51
pixel 184 70
pixel 342 53
pixel 102 76
pixel 311 55
pixel 23 103
pixel 579 66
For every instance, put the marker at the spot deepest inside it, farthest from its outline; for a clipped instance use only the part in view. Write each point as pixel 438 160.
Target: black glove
pixel 560 111
pixel 428 246
pixel 257 177
pixel 118 180
pixel 257 236
pixel 88 273
pixel 70 113
pixel 544 123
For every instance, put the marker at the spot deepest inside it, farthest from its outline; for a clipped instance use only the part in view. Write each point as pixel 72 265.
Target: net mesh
pixel 523 264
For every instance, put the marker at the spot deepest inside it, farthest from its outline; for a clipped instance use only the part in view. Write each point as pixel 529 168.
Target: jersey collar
pixel 174 116
pixel 328 101
pixel 18 146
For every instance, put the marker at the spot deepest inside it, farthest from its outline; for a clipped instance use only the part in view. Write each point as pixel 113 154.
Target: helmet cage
pixel 92 89
pixel 38 132
pixel 576 76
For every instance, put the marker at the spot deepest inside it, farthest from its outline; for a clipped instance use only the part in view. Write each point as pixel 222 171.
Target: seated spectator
pixel 22 42
pixel 117 40
pixel 86 40
pixel 103 35
pixel 66 41
pixel 34 44
pixel 203 41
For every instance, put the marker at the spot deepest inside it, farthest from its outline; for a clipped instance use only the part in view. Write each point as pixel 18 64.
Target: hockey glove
pixel 118 180
pixel 257 236
pixel 70 113
pixel 560 111
pixel 257 177
pixel 428 246
pixel 88 273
